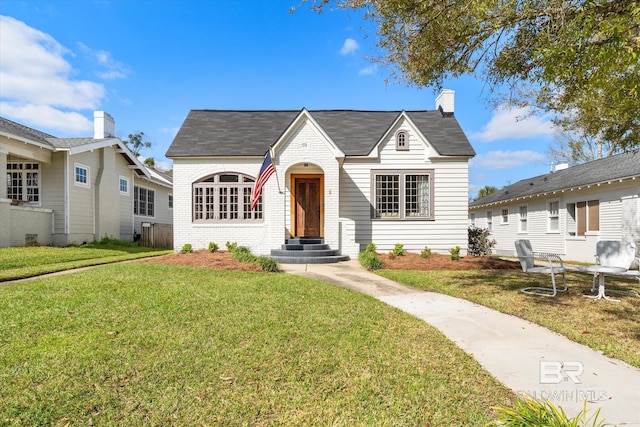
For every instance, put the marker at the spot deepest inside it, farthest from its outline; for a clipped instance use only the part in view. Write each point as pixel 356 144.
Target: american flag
pixel 265 172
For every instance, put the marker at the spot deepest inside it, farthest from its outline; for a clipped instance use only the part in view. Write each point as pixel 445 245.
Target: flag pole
pixel 275 171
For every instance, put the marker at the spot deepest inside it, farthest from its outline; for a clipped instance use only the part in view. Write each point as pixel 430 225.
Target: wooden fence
pixel 159 236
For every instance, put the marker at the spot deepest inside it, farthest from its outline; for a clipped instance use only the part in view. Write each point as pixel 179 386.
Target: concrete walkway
pixel 523 356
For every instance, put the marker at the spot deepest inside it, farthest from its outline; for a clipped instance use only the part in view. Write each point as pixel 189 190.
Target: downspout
pixel 97 197
pixel 66 196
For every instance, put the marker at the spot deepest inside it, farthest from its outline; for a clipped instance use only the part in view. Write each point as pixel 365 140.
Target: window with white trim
pixel 402 141
pixel 170 201
pixel 472 220
pixel 124 186
pixel 490 220
pixel 225 197
pixel 143 201
pixel 522 223
pixel 504 214
pixel 23 181
pixel 406 195
pixel 554 216
pixel 81 175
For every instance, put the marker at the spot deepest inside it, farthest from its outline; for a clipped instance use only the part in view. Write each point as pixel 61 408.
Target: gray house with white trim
pixel 568 210
pixel 348 177
pixel 61 191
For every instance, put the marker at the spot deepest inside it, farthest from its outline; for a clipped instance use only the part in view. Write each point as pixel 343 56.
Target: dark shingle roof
pixel 13 128
pixel 611 168
pixel 250 133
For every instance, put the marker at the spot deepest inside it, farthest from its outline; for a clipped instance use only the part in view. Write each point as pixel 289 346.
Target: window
pixel 505 216
pixel 170 201
pixel 522 226
pixel 402 141
pixel 225 197
pixel 143 201
pixel 583 217
pixel 402 195
pixel 472 220
pixel 124 185
pixel 23 181
pixel 81 175
pixel 554 216
pixel 490 220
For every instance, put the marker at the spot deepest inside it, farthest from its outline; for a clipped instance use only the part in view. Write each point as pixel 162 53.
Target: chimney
pixel 103 125
pixel 444 102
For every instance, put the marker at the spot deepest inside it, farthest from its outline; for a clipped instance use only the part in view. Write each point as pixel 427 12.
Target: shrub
pixel 425 253
pixel 370 260
pixel 231 247
pixel 213 247
pixel 243 254
pixel 479 242
pixel 268 264
pixel 530 412
pixel 455 253
pixel 398 250
pixel 371 247
pixel 186 249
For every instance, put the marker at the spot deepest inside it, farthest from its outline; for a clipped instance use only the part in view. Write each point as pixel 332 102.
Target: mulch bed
pixel 408 261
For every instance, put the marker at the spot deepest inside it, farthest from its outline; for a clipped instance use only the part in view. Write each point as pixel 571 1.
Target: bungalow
pixel 347 177
pixel 568 210
pixel 61 191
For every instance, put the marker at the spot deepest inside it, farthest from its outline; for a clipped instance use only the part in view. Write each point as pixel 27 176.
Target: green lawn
pixel 156 344
pixel 21 262
pixel 613 328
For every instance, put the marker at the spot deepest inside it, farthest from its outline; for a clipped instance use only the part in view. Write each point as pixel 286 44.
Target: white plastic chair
pixel 616 253
pixel 553 265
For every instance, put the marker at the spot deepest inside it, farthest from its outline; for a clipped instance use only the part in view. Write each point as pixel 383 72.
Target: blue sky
pixel 147 63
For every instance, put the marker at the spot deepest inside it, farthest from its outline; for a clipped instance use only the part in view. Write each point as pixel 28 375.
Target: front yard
pixel 157 344
pixel 22 262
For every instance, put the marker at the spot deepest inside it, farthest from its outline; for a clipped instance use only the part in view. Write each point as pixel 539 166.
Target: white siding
pixel 615 222
pixel 450 203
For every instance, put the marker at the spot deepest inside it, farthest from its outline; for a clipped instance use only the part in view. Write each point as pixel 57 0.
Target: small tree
pixel 136 143
pixel 479 242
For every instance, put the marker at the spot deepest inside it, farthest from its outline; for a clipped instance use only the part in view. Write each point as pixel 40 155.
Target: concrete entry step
pixel 307 250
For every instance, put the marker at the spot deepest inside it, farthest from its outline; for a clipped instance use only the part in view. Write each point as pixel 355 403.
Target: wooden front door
pixel 307 205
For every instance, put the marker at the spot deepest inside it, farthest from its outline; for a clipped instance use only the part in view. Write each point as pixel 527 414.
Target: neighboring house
pixel 63 191
pixel 351 177
pixel 153 199
pixel 566 211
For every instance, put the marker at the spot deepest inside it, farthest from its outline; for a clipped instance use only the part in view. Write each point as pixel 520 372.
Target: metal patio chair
pixel 553 265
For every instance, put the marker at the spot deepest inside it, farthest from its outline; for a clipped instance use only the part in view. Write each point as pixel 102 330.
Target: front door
pixel 307 205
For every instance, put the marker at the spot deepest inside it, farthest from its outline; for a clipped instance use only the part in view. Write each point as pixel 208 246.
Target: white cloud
pixel 37 83
pixel 349 47
pixel 48 117
pixel 515 123
pixel 505 159
pixel 368 70
pixel 113 68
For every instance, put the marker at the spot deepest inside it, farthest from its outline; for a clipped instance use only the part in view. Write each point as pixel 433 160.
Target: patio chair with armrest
pixel 552 265
pixel 616 253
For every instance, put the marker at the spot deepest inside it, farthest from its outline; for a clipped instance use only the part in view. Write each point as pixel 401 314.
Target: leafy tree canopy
pixel 576 58
pixel 136 143
pixel 485 191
